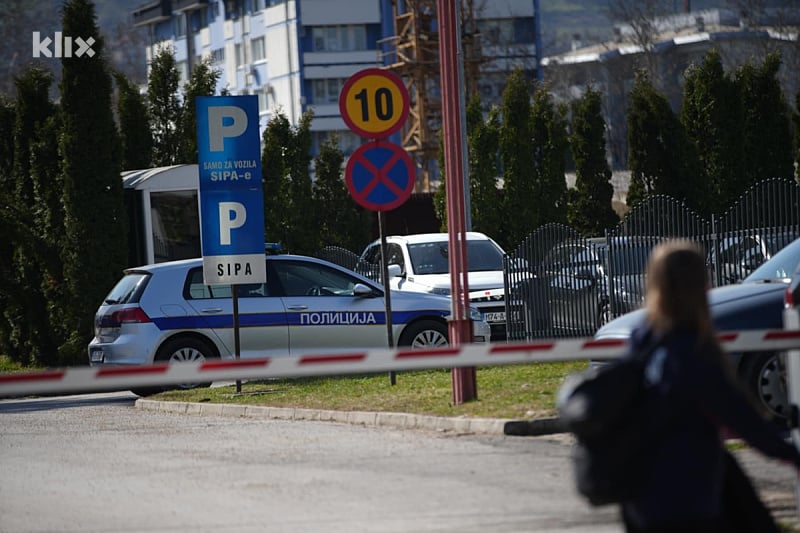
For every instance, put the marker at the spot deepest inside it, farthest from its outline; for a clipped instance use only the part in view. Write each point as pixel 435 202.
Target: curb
pixel 459 426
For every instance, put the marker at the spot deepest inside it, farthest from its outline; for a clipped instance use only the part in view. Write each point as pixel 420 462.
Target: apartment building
pixel 297 54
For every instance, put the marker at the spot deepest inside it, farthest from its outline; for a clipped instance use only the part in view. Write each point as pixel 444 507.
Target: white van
pixel 424 267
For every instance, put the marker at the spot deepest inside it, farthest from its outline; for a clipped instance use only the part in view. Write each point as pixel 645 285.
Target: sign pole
pixel 379 175
pixel 464 380
pixel 236 346
pixel 387 291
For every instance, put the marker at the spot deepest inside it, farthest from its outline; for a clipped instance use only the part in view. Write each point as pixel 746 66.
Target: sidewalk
pixel 774 480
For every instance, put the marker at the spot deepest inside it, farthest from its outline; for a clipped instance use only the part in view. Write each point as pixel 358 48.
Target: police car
pixel 419 263
pixel 164 312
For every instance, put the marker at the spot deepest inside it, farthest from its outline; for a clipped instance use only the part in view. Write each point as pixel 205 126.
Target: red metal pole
pixel 464 382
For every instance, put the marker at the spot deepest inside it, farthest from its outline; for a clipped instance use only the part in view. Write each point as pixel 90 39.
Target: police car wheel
pixel 425 334
pixel 186 349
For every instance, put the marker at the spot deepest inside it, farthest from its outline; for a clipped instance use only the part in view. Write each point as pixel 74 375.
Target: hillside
pixel 589 20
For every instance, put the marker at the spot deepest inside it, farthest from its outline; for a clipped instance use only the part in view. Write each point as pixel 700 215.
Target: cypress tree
pixel 660 157
pixel 35 169
pixel 202 82
pixel 304 235
pixel 519 194
pixel 50 234
pixel 590 212
pixel 342 222
pixel 275 141
pixel 162 97
pixel 288 198
pixel 550 144
pixel 136 138
pixel 11 225
pixel 483 145
pixel 483 141
pixel 39 272
pixel 767 128
pixel 95 247
pixel 712 117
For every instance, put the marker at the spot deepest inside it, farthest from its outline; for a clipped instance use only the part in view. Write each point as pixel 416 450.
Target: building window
pixel 218 56
pixel 327 91
pixel 339 38
pixel 237 50
pixel 258 5
pixel 199 19
pixel 179 25
pixel 497 32
pixel 263 100
pixel 259 48
pixel 504 32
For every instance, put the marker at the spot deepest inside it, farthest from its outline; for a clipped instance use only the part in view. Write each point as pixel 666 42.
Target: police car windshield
pixel 432 257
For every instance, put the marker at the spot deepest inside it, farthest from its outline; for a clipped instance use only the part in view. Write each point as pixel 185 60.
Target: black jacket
pixel 693 399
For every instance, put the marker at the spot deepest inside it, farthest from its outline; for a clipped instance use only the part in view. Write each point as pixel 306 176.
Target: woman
pixel 692 390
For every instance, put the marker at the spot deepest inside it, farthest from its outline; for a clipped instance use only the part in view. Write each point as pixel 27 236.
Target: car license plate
pixel 96 356
pixel 495 317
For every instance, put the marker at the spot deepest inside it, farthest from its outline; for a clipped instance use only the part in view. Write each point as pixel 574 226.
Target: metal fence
pixel 347 259
pixel 561 284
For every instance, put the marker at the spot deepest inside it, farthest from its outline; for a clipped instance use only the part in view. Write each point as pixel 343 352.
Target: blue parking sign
pixel 231 201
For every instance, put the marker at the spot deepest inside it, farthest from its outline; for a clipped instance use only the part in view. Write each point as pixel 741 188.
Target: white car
pixel 165 312
pixel 423 266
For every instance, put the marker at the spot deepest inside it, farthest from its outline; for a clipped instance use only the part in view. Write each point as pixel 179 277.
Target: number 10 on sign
pixel 374 103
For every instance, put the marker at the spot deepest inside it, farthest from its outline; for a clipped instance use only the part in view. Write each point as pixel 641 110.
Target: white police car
pixel 422 265
pixel 164 312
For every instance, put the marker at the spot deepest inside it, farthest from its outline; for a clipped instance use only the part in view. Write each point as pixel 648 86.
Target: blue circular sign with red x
pixel 380 175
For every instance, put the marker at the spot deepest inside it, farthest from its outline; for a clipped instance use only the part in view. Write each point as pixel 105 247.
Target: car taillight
pixel 131 315
pixel 788 298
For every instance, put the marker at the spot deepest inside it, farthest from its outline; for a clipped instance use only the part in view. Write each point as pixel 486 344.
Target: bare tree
pixel 640 26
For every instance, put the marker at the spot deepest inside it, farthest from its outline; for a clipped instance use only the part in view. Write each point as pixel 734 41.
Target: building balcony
pixel 152 13
pixel 188 5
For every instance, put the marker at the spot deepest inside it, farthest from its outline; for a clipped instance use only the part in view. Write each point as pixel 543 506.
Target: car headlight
pixel 475 315
pixel 440 290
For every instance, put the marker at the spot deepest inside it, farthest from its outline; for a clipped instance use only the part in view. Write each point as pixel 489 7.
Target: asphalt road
pixel 96 463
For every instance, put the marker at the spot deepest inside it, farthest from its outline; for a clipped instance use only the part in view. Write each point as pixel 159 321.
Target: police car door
pixel 263 330
pixel 323 313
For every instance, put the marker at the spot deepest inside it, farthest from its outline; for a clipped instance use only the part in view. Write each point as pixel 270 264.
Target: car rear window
pixel 129 289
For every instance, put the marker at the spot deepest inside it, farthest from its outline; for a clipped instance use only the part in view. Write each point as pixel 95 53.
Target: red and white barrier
pixel 116 378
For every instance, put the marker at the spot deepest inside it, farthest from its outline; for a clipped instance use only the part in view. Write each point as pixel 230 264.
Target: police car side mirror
pixel 361 290
pixel 394 271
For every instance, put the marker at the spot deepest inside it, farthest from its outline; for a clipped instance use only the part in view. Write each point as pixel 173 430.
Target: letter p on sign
pixel 232 215
pixel 224 121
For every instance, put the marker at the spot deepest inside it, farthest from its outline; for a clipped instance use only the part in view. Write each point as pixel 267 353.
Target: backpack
pixel 606 409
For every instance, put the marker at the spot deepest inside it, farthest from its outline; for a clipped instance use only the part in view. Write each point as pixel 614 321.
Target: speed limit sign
pixel 374 103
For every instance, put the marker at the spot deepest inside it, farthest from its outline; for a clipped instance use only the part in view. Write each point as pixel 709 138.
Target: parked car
pixel 422 265
pixel 581 284
pixel 165 312
pixel 743 252
pixel 756 302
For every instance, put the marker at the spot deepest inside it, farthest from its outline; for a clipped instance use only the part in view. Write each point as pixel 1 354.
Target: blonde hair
pixel 677 281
